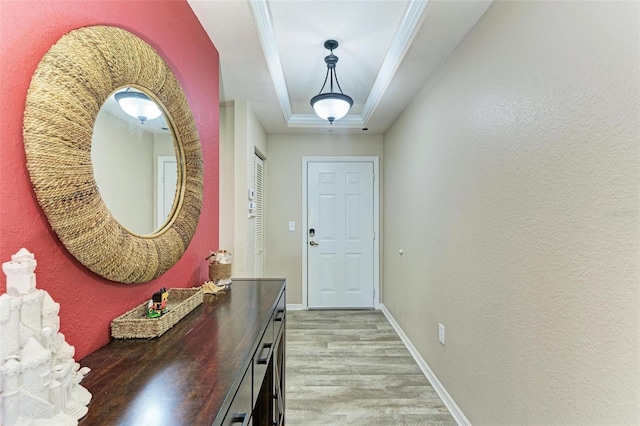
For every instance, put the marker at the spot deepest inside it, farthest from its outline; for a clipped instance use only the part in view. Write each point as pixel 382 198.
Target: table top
pixel 187 376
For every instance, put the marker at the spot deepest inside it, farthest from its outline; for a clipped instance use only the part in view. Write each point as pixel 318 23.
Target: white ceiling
pixel 272 54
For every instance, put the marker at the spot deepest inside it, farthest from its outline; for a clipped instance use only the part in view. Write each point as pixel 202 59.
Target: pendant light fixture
pixel 138 105
pixel 331 105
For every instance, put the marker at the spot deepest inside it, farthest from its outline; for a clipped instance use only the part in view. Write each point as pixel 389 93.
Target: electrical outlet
pixel 441 333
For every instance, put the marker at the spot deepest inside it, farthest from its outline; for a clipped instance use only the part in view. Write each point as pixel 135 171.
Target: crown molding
pixel 312 120
pixel 413 16
pixel 410 23
pixel 264 25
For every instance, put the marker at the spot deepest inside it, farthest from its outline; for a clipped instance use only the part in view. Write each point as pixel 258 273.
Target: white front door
pixel 340 235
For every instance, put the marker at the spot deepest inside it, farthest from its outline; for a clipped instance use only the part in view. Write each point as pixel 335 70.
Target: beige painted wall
pixel 519 216
pixel 241 134
pixel 227 198
pixel 284 200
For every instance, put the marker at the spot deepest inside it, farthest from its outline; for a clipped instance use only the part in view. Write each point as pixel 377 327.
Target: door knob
pixel 313 243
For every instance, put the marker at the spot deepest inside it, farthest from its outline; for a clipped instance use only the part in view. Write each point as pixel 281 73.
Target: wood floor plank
pixel 351 368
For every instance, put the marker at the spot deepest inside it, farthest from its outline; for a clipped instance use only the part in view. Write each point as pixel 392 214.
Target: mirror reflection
pixel 134 161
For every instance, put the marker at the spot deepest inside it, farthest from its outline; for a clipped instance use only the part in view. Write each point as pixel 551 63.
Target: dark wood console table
pixel 223 364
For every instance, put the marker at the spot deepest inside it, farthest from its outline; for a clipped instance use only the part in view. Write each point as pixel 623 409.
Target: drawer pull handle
pixel 240 418
pixel 264 360
pixel 279 315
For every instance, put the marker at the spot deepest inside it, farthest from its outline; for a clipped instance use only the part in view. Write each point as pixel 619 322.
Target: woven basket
pixel 135 324
pixel 219 271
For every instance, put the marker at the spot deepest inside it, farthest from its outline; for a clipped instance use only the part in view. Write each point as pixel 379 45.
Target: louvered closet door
pixel 258 249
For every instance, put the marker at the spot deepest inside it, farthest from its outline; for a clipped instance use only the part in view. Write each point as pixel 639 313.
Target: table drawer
pixel 240 410
pixel 279 315
pixel 261 359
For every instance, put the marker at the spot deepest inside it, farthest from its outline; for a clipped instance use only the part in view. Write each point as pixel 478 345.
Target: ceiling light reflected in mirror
pixel 137 105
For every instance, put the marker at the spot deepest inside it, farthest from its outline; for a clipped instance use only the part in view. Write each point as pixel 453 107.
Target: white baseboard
pixel 448 401
pixel 297 307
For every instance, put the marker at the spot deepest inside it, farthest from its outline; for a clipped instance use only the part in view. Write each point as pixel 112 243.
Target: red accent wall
pixel 27 30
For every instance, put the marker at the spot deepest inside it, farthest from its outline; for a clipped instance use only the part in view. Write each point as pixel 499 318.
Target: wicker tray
pixel 135 325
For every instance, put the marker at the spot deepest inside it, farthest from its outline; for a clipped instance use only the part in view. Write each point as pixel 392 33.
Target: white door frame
pixel 161 160
pixel 376 220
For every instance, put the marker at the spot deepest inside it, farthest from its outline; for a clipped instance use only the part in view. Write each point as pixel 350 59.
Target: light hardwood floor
pixel 351 368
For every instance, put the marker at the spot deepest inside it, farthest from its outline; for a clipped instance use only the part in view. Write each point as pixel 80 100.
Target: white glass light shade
pixel 138 105
pixel 331 106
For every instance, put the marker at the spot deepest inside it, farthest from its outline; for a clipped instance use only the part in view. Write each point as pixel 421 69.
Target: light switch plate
pixel 441 333
pixel 292 226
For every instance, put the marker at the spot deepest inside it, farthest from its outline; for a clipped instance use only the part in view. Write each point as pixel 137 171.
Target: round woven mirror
pixel 70 85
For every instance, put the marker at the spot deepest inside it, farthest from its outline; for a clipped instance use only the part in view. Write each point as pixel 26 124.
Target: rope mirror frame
pixel 68 88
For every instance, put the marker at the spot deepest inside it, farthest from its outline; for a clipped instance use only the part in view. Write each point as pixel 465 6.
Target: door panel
pixel 340 211
pixel 328 273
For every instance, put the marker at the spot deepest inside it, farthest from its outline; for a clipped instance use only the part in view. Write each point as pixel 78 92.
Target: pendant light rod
pixel 331 60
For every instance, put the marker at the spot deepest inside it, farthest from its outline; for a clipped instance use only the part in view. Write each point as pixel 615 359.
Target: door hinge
pixel 374 235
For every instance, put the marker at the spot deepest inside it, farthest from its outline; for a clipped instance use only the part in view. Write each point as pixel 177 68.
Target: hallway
pixel 351 368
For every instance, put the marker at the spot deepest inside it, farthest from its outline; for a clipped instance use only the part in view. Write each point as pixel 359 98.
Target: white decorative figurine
pixel 39 380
